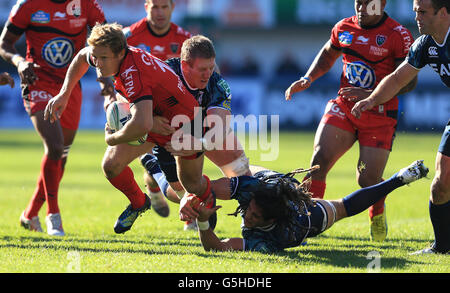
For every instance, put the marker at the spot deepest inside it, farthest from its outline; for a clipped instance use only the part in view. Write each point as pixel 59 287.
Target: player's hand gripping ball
pixel 117 114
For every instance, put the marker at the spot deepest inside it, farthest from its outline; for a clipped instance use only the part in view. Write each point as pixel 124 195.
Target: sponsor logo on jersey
pixel 59 15
pixel 143 47
pixel 360 74
pixel 345 38
pixel 37 96
pixel 158 48
pixel 441 69
pixel 58 52
pixel 362 40
pixel 374 50
pixel 224 85
pixel 40 17
pixel 380 39
pixel 174 47
pixel 128 81
pixel 432 51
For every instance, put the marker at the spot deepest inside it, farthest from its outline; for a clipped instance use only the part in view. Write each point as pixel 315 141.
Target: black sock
pixel 363 198
pixel 440 218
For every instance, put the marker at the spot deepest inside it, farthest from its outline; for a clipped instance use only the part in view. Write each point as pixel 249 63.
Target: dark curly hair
pixel 281 198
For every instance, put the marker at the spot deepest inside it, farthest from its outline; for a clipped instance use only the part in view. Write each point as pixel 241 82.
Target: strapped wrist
pixel 202 226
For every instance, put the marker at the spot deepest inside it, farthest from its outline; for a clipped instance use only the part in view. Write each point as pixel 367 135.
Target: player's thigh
pixel 190 172
pixel 119 156
pixel 330 143
pixel 371 164
pixel 51 134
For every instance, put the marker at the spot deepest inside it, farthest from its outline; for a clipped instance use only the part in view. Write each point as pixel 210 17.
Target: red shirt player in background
pixel 55 31
pixel 372 45
pixel 162 38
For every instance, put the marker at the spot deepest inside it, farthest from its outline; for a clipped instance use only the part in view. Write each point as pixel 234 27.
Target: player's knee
pixel 150 181
pixel 366 181
pixel 440 190
pixel 111 168
pixel 55 150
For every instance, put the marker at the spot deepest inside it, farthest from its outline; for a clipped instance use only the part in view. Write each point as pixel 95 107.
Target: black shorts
pixel 444 146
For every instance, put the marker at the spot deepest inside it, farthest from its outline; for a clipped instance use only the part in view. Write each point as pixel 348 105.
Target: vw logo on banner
pixel 360 74
pixel 58 52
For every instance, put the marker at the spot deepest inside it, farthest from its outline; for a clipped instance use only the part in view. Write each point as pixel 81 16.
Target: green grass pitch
pixel 90 205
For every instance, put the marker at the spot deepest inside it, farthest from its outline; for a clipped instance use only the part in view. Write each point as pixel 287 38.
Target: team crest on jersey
pixel 345 38
pixel 58 52
pixel 40 17
pixel 380 40
pixel 174 47
pixel 360 74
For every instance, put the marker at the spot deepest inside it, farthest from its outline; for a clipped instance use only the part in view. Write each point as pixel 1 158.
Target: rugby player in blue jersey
pixel 278 211
pixel 433 49
pixel 195 67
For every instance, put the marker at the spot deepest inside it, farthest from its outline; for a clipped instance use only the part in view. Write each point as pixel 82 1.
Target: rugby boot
pixel 129 215
pixel 54 225
pixel 378 227
pixel 413 172
pixel 32 224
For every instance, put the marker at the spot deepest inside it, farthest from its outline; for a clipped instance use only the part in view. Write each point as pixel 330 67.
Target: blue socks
pixel 440 218
pixel 363 198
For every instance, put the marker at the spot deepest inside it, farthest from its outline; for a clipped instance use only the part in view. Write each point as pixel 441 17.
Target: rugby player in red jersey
pixel 55 31
pixel 152 88
pixel 157 35
pixel 372 46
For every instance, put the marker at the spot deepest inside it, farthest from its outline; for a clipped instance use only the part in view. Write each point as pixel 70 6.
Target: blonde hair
pixel 108 35
pixel 197 46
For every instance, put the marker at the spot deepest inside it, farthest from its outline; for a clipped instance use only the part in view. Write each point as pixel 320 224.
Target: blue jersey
pixel 217 93
pixel 274 237
pixel 425 51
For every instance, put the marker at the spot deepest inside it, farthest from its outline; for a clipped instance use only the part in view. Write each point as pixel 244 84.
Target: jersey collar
pixel 383 19
pixel 445 39
pixel 155 34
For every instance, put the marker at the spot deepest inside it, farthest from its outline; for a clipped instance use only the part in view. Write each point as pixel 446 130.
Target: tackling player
pixel 151 87
pixel 195 69
pixel 55 31
pixel 432 48
pixel 278 212
pixel 372 45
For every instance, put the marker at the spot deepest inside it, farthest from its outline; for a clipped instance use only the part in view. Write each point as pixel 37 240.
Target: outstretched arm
pixel 323 62
pixel 387 88
pixel 78 67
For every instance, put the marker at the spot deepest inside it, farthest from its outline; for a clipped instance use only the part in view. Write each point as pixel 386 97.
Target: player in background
pixel 151 87
pixel 278 212
pixel 433 49
pixel 55 31
pixel 157 35
pixel 372 45
pixel 195 69
pixel 5 78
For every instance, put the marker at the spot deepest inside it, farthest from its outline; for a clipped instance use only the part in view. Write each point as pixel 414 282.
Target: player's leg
pixel 330 143
pixel 119 174
pixel 51 168
pixel 371 164
pixel 376 134
pixel 363 198
pixel 439 205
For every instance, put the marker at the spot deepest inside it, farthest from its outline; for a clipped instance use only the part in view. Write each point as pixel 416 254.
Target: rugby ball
pixel 117 114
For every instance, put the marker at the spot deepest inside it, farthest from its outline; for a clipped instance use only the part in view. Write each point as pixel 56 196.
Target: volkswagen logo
pixel 58 52
pixel 360 74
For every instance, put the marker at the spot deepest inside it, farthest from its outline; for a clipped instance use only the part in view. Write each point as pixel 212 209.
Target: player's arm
pixel 9 53
pixel 387 88
pixel 323 62
pixel 140 124
pixel 408 87
pixel 209 239
pixel 77 69
pixel 216 119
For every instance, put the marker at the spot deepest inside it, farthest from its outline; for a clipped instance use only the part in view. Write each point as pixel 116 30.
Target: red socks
pixel 317 188
pixel 125 182
pixel 51 174
pixel 37 200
